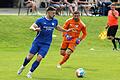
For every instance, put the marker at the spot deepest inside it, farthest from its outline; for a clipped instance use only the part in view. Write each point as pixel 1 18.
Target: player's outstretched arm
pixel 84 31
pixel 34 27
pixel 62 29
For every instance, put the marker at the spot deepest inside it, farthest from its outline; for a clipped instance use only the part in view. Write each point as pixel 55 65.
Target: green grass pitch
pixel 102 63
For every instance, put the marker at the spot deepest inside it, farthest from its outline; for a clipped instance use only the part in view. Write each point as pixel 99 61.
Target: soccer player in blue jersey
pixel 44 27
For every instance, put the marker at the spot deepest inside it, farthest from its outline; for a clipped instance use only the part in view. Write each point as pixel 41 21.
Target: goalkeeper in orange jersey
pixel 72 39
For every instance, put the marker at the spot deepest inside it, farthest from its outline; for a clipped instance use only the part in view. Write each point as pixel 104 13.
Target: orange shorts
pixel 68 45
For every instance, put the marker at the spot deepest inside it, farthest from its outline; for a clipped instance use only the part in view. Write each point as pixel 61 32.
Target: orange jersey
pixel 77 26
pixel 111 19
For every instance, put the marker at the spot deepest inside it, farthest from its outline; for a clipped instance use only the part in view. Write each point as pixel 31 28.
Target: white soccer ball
pixel 80 73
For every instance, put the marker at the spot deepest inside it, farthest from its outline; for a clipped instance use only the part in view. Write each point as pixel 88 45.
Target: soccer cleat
pixel 59 66
pixel 20 70
pixel 115 49
pixel 29 75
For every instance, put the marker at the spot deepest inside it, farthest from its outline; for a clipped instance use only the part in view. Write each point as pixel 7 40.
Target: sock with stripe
pixel 65 58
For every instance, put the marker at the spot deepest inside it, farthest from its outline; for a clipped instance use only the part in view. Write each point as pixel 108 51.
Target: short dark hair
pixel 76 12
pixel 50 8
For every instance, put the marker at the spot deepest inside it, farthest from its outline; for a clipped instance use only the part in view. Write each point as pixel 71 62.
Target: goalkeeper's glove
pixel 78 41
pixel 68 37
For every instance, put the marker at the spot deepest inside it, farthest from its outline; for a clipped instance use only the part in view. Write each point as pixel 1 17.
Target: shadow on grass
pixel 91 69
pixel 40 78
pixel 86 69
pixel 50 78
pixel 70 67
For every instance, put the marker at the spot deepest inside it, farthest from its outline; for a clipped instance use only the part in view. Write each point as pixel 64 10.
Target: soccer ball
pixel 80 73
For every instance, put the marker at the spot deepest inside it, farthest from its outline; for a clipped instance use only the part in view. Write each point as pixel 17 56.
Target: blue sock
pixel 34 65
pixel 26 61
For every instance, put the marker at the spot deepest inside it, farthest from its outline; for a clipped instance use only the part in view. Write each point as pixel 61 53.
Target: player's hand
pixel 68 37
pixel 106 27
pixel 37 29
pixel 34 28
pixel 72 29
pixel 78 40
pixel 113 13
pixel 68 30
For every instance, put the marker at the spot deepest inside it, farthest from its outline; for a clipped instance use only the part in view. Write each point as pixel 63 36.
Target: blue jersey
pixel 47 27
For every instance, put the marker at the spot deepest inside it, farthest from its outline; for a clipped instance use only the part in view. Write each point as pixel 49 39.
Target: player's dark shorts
pixel 112 30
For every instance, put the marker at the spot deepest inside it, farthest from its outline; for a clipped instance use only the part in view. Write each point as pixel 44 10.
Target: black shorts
pixel 112 30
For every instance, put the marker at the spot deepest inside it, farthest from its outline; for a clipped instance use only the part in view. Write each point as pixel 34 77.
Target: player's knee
pixel 30 56
pixel 62 52
pixel 69 52
pixel 39 58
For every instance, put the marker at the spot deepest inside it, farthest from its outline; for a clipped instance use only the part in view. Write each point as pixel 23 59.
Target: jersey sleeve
pixel 66 26
pixel 38 23
pixel 56 22
pixel 83 31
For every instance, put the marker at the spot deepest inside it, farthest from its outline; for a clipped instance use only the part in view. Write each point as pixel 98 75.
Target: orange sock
pixel 65 58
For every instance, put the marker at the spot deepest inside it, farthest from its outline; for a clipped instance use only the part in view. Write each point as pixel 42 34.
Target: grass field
pixel 102 63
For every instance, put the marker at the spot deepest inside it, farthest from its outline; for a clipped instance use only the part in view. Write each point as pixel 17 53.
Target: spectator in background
pixel 30 4
pixel 58 4
pixel 82 1
pixel 72 5
pixel 105 6
pixel 84 6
